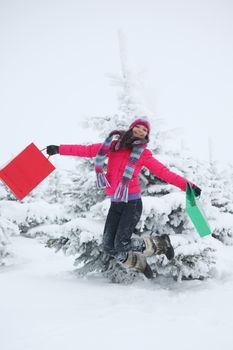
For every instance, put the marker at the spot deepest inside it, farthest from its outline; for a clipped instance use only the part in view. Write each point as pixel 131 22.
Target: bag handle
pixel 43 149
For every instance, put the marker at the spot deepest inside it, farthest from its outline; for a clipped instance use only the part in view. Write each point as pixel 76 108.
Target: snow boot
pixel 137 261
pixel 158 245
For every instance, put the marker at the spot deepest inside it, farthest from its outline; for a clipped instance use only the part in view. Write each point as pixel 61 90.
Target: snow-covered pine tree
pixel 228 188
pixel 6 193
pixel 216 186
pixel 221 197
pixel 3 191
pixel 163 212
pixel 7 229
pixel 163 204
pixel 4 242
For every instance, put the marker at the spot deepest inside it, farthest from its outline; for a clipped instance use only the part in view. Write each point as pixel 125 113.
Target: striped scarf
pixel 121 192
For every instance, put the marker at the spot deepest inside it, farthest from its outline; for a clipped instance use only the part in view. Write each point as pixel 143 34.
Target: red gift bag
pixel 26 171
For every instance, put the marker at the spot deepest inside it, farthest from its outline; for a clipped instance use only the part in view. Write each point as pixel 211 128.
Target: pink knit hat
pixel 140 121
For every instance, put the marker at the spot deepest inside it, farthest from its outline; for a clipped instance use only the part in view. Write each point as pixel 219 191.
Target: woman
pixel 126 157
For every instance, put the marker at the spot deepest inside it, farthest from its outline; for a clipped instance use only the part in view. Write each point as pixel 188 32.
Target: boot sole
pixel 148 272
pixel 170 250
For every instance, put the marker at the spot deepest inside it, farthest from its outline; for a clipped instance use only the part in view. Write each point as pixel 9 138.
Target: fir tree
pixel 7 229
pixel 164 210
pixel 68 208
pixel 221 197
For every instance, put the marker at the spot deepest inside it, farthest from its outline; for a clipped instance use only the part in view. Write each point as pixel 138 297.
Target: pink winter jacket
pixel 117 162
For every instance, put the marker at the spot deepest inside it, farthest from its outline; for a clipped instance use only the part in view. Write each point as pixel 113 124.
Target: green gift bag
pixel 195 212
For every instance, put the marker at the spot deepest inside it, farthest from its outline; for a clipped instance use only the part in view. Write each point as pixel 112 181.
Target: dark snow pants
pixel 121 221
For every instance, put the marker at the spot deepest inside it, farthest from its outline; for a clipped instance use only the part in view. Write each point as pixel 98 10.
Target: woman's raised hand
pixel 52 149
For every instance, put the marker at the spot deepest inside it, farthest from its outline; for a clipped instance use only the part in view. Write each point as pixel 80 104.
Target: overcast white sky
pixel 54 56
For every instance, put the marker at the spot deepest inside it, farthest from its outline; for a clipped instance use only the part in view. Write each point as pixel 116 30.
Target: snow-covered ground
pixel 43 305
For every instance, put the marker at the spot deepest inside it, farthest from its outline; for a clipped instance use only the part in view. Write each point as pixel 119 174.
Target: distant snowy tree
pixel 4 242
pixel 7 229
pixel 227 188
pixel 223 228
pixel 3 191
pixel 216 186
pixel 6 193
pixel 221 196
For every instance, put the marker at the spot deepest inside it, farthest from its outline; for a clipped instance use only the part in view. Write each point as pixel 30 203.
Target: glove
pixel 197 191
pixel 52 149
